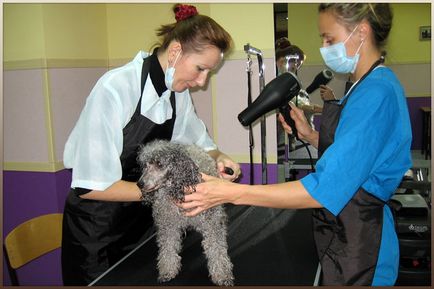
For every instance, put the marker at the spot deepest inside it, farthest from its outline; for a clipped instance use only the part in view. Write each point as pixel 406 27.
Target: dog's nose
pixel 140 184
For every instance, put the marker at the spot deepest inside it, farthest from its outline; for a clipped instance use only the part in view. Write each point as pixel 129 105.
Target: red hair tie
pixel 184 12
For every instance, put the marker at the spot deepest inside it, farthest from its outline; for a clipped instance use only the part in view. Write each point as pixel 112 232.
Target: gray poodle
pixel 167 168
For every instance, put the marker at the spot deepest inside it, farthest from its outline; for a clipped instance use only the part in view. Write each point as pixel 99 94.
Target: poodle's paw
pixel 228 281
pixel 165 277
pixel 221 274
pixel 167 274
pixel 168 269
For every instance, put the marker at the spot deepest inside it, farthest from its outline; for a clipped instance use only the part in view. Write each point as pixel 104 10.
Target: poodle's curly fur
pixel 167 168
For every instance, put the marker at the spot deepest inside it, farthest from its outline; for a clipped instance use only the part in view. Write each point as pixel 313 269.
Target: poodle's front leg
pixel 215 246
pixel 169 242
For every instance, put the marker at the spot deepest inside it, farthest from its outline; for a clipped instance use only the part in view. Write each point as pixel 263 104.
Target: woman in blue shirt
pixel 364 147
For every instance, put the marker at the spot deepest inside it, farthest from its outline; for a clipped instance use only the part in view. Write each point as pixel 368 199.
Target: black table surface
pixel 268 247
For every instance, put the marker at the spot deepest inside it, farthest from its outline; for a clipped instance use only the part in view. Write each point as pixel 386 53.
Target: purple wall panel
pixel 6 279
pixel 27 195
pixel 30 194
pixel 257 174
pixel 414 105
pixel 44 271
pixel 63 185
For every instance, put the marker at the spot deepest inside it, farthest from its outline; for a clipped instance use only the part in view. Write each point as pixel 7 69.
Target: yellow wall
pixel 403 47
pixel 303 30
pixel 247 23
pixel 23 34
pixel 115 32
pixel 132 27
pixel 75 31
pixel 54 35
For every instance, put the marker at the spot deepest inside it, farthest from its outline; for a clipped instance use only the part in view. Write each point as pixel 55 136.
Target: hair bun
pixel 183 11
pixel 282 43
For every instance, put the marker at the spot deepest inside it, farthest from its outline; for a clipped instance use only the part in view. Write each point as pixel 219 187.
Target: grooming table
pixel 268 247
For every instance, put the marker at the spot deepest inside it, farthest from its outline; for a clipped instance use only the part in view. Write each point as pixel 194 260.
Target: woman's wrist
pixel 236 196
pixel 312 137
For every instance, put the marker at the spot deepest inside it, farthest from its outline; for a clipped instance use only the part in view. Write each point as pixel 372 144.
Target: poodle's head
pixel 166 165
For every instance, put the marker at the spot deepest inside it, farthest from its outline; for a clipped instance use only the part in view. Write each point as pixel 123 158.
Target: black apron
pixel 96 234
pixel 347 244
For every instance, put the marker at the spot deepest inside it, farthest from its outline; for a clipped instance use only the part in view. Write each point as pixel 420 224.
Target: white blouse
pixel 95 144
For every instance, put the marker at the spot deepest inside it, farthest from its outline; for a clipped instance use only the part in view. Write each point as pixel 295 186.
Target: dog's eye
pixel 158 164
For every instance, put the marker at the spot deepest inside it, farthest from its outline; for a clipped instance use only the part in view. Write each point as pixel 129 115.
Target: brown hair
pixel 284 48
pixel 195 32
pixel 379 16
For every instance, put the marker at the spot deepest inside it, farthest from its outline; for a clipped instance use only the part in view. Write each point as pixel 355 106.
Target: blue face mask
pixel 336 58
pixel 170 72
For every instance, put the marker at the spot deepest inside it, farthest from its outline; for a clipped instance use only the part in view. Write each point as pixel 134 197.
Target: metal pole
pixel 252 50
pixel 249 102
pixel 263 123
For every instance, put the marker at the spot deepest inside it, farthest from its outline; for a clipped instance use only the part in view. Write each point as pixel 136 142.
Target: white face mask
pixel 336 58
pixel 170 72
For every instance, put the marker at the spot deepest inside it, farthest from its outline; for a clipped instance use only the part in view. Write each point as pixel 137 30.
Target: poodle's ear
pixel 186 175
pixel 141 154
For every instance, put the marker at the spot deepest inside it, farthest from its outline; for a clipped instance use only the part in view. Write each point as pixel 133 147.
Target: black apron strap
pixel 141 130
pixel 329 121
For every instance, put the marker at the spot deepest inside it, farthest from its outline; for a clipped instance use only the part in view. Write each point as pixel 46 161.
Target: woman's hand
pixel 216 191
pixel 212 192
pixel 326 93
pixel 305 131
pixel 311 108
pixel 226 167
pixel 301 123
pixel 228 170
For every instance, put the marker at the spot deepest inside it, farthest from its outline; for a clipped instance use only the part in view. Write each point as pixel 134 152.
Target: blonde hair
pixel 378 15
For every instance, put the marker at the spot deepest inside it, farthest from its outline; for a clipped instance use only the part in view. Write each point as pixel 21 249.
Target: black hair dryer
pixel 276 94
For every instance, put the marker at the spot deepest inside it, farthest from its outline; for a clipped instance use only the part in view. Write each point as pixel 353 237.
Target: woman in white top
pixel 143 100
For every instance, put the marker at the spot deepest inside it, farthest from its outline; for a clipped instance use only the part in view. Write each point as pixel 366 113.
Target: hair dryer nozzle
pixel 321 78
pixel 276 93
